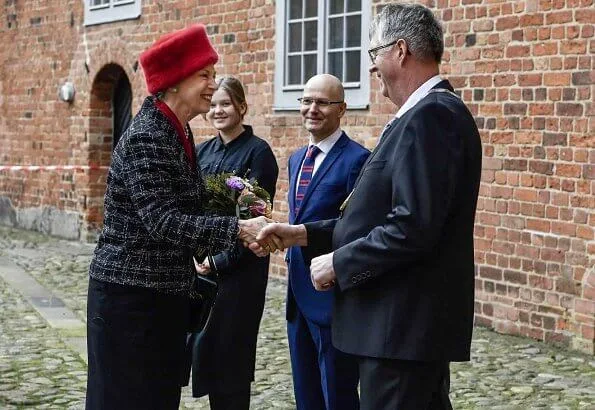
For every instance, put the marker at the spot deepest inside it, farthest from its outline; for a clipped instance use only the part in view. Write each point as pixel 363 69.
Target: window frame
pixel 113 10
pixel 357 94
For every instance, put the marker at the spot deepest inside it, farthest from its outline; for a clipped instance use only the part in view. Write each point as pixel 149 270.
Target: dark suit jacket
pixel 330 186
pixel 404 244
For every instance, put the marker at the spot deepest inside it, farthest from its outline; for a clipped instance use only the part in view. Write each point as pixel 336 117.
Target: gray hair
pixel 413 23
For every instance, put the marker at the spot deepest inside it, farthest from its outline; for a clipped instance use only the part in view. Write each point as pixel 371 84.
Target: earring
pixel 174 89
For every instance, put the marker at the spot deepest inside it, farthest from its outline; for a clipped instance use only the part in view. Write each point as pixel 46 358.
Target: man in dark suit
pixel 321 175
pixel 403 246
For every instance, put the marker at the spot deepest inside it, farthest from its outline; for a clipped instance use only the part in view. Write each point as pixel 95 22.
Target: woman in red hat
pixel 138 305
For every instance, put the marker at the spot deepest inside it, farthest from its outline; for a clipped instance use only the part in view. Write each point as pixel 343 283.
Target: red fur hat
pixel 176 56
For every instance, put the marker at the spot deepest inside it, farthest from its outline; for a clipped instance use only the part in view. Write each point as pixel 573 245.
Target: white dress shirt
pixel 325 147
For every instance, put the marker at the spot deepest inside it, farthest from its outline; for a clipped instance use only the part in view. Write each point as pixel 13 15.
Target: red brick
pixel 562 79
pixel 585 15
pixel 573 47
pixel 517 51
pixel 459 27
pixel 531 61
pixel 502 137
pixel 526 80
pixel 504 80
pixel 531 332
pixel 569 109
pixel 541 109
pixel 538 296
pixel 483 25
pixel 531 20
pixel 563 228
pixel 558 17
pixel 588 332
pixel 587 31
pixel 586 307
pixel 550 138
pixel 481 81
pixel 589 171
pixel 545 49
pixel 527 137
pixel 515 109
pixel 506 23
pixel 515 277
pixel 585 232
pixel 496 164
pixel 568 170
pixel 568 185
pixel 490 273
pixel 538 225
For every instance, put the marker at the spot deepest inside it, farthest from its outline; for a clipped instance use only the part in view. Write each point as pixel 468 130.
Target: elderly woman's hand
pixel 251 227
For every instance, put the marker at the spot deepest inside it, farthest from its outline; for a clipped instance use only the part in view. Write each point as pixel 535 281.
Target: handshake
pixel 264 236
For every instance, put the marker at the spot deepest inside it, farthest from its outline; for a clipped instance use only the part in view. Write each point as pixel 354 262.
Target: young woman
pixel 138 308
pixel 228 348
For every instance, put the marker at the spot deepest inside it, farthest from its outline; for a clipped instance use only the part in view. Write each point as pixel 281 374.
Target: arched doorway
pixel 109 116
pixel 121 107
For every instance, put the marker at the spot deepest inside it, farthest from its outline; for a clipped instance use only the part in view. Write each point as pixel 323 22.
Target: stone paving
pixel 39 368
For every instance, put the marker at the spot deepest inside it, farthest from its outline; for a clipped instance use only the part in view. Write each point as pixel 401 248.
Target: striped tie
pixel 305 176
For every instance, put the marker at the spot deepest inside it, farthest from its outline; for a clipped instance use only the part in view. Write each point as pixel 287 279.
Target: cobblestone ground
pixel 39 370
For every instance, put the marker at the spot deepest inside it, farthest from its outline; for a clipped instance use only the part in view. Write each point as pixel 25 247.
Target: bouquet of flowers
pixel 229 194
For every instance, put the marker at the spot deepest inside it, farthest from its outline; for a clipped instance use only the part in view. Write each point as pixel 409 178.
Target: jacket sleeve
pixel 150 171
pixel 225 260
pixel 320 238
pixel 423 182
pixel 264 169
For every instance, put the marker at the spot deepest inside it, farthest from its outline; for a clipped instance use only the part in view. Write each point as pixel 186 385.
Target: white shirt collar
pixel 417 95
pixel 327 144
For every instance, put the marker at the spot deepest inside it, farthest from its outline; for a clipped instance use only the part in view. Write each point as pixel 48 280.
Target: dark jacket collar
pixel 244 136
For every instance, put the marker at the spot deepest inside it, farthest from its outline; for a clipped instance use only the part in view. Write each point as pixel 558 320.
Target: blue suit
pixel 323 377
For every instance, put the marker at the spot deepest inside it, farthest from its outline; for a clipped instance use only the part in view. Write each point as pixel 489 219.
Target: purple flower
pixel 235 183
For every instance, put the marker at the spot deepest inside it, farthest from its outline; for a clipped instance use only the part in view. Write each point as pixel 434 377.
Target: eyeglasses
pixel 321 103
pixel 373 52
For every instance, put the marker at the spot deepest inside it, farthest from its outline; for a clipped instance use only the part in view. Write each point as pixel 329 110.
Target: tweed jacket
pixel 154 221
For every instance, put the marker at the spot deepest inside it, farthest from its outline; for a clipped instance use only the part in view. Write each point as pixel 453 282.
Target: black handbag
pixel 203 294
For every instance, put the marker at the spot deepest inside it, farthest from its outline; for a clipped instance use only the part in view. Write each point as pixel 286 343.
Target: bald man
pixel 321 175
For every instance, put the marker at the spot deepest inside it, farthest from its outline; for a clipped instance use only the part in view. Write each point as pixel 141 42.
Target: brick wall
pixel 525 68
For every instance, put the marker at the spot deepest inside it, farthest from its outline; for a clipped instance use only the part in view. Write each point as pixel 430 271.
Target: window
pixel 105 11
pixel 316 37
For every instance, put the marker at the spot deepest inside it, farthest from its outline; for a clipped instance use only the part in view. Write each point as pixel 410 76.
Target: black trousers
pixel 135 339
pixel 239 400
pixel 390 384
